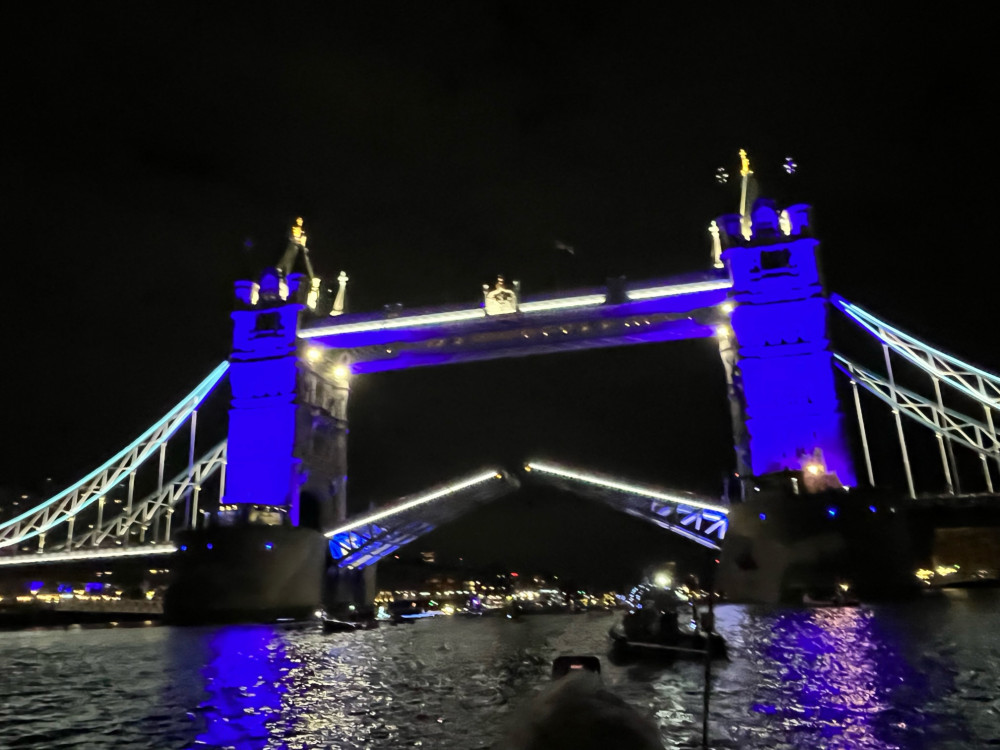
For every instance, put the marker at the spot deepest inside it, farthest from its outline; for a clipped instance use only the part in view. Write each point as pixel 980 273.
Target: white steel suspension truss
pixel 953 425
pixel 64 506
pixel 686 514
pixel 154 506
pixel 946 423
pixel 973 381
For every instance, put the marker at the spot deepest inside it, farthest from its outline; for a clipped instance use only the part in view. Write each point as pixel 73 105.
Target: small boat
pixel 663 622
pixel 837 600
pixel 331 625
pixel 839 596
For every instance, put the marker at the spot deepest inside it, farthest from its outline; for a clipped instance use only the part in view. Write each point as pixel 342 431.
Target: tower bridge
pixel 276 537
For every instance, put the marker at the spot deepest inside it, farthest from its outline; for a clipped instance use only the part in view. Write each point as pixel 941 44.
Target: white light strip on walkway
pixel 673 290
pixel 419 500
pixel 561 303
pixel 622 486
pixel 93 554
pixel 453 316
pixel 545 305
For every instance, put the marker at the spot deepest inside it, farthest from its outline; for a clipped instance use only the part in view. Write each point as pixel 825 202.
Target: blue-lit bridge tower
pixel 264 553
pixel 776 351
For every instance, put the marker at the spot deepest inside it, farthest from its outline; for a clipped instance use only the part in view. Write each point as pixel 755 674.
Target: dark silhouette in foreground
pixel 576 712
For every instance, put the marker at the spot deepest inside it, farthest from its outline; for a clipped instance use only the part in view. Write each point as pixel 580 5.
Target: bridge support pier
pixel 245 573
pixel 781 546
pixel 347 591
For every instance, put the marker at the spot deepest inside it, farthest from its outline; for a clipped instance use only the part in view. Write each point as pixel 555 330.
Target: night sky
pixel 154 157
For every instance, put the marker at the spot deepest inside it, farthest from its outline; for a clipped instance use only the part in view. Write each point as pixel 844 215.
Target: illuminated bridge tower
pixel 786 413
pixel 263 553
pixel 287 450
pixel 799 530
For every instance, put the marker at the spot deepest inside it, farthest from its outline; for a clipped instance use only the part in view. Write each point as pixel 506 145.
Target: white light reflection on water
pixel 908 677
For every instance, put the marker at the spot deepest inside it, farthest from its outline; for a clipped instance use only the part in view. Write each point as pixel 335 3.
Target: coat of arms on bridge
pixel 500 299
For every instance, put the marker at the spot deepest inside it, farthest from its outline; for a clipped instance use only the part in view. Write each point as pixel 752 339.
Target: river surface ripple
pixel 925 674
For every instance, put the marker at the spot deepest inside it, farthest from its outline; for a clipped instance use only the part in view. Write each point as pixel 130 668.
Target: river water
pixel 924 674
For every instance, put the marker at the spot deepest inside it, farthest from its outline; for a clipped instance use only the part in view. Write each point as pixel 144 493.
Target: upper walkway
pixel 679 307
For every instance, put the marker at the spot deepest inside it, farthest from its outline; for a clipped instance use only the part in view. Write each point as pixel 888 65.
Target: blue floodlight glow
pixel 208 546
pixel 763 516
pixel 344 543
pixel 36 585
pixel 268 545
pixel 872 508
pixel 831 511
pixel 184 548
pixel 784 379
pixel 259 454
pixel 93 588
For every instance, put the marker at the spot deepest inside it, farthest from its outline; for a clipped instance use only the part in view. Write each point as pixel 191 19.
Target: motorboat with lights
pixel 664 621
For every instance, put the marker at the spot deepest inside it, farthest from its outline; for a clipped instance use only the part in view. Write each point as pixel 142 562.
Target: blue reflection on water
pixel 245 682
pixel 835 675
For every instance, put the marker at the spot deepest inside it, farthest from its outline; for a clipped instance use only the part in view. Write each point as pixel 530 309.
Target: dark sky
pixel 154 156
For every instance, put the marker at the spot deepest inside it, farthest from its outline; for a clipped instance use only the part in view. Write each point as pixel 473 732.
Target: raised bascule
pixel 280 542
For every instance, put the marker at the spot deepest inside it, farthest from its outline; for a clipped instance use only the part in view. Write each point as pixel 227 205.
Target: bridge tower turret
pixel 786 414
pixel 288 421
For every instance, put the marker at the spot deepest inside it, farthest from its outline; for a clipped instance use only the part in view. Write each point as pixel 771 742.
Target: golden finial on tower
pixel 296 242
pixel 744 164
pixel 746 173
pixel 298 235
